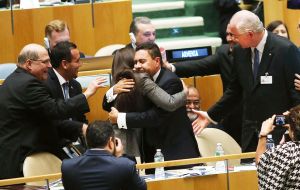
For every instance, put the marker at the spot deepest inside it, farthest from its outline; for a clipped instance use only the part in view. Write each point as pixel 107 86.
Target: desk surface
pixel 246 179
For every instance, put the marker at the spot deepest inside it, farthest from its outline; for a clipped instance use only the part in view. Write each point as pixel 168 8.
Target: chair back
pixel 40 164
pixel 108 50
pixel 207 142
pixel 6 69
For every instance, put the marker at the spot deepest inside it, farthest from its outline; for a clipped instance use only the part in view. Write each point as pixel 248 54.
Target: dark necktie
pixel 255 63
pixel 66 90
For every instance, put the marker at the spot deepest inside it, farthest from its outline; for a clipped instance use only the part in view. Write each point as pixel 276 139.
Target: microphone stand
pixel 12 16
pixel 93 19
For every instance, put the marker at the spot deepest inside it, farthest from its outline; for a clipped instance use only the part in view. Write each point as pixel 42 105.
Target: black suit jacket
pixel 280 60
pixel 169 131
pixel 219 63
pixel 26 112
pixel 68 129
pixel 98 169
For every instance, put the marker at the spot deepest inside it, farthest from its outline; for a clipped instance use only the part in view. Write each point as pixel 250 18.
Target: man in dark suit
pixel 219 63
pixel 263 78
pixel 27 111
pixel 101 167
pixel 65 60
pixel 168 131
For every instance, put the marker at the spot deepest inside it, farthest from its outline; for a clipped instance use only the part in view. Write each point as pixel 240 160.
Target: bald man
pixel 27 111
pixel 263 79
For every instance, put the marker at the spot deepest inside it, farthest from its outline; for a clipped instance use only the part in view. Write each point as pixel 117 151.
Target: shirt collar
pixel 61 79
pixel 261 45
pixel 155 76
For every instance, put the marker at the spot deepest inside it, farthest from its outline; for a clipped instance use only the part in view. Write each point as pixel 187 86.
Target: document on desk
pixel 195 171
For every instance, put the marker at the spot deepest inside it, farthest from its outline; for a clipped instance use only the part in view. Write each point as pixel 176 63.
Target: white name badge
pixel 266 80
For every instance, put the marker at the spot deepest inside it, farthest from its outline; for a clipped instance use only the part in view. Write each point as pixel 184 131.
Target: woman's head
pixel 279 28
pixel 123 59
pixel 294 122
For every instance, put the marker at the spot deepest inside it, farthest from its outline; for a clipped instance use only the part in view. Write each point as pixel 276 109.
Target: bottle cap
pixel 158 150
pixel 219 144
pixel 269 136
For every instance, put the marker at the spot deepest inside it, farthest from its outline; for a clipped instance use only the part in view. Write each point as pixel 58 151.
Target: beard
pixel 192 116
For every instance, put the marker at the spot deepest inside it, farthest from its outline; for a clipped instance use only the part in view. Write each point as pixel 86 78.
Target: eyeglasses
pixel 47 61
pixel 235 36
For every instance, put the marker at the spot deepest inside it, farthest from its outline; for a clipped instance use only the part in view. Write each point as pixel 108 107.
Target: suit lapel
pixel 56 84
pixel 265 60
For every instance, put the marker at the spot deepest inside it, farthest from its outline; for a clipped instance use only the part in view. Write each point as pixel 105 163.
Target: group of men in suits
pixel 29 114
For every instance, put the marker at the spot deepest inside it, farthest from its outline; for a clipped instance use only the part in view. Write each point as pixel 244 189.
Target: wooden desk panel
pixel 246 180
pixel 112 20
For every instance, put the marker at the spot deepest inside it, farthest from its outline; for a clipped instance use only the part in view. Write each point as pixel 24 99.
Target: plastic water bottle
pixel 220 165
pixel 159 172
pixel 270 143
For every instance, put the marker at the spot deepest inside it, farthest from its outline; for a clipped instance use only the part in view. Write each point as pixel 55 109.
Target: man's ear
pixel 28 64
pixel 158 61
pixel 64 64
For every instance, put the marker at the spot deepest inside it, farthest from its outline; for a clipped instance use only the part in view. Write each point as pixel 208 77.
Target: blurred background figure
pixel 279 28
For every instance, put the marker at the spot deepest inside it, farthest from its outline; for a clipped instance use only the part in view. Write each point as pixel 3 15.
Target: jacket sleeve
pixel 154 116
pixel 38 99
pixel 160 97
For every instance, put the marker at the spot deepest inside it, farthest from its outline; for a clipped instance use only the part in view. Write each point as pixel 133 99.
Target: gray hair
pixel 138 20
pixel 248 21
pixel 30 51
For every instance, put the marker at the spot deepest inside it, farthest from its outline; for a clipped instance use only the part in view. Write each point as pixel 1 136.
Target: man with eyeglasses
pixel 262 79
pixel 192 102
pixel 27 111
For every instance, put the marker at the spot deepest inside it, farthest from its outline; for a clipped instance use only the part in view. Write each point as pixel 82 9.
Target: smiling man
pixel 27 111
pixel 65 59
pixel 264 67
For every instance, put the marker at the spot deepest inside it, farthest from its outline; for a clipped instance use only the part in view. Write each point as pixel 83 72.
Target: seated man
pixel 102 166
pixel 192 102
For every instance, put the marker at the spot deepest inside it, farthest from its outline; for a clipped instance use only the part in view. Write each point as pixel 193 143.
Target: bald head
pixel 30 51
pixel 34 58
pixel 245 20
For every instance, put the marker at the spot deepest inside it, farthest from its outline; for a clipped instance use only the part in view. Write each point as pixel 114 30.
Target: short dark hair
pixel 138 20
pixel 273 25
pixel 61 51
pixel 152 49
pixel 98 134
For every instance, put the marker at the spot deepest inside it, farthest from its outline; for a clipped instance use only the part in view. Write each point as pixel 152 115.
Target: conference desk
pixel 246 180
pixel 109 26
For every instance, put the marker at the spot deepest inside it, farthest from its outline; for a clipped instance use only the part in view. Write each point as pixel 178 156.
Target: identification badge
pixel 266 79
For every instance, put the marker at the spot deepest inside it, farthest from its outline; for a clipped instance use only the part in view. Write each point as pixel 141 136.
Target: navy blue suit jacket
pixel 100 170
